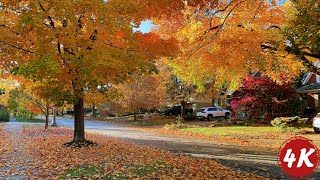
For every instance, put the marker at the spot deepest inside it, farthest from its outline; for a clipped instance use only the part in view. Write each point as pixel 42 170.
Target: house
pixel 221 98
pixel 310 90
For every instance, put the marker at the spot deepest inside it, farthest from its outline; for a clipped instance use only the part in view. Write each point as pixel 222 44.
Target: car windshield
pixel 200 110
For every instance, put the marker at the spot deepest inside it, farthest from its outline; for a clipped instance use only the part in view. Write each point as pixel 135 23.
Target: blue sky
pixel 145 26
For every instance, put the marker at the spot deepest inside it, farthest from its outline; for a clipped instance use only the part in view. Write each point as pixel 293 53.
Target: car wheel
pixel 210 117
pixel 227 116
pixel 317 132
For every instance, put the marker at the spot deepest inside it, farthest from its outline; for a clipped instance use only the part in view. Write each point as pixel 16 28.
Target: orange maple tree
pixel 221 41
pixel 73 47
pixel 138 92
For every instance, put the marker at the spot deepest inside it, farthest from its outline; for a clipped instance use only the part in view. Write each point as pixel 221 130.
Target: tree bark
pixel 79 122
pixel 94 110
pixel 54 122
pixel 134 116
pixel 183 107
pixel 47 119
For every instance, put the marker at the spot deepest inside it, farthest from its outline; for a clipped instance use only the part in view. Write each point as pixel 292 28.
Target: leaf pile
pixel 114 159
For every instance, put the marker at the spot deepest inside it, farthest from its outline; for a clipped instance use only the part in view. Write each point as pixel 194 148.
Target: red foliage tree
pixel 262 97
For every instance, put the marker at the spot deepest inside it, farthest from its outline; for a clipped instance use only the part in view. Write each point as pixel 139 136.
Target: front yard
pixel 261 137
pixel 269 137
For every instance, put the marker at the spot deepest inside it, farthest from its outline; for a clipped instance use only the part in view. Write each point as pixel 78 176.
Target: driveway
pixel 259 161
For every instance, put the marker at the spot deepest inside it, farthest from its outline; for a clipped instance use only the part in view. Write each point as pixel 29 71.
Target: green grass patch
pixel 31 120
pixel 145 170
pixel 127 172
pixel 142 123
pixel 149 122
pixel 231 131
pixel 80 171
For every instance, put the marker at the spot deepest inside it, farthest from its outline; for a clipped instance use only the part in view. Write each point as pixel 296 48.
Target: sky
pixel 145 26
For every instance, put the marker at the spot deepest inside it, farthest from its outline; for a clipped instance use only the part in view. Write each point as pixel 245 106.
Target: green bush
pixel 190 117
pixel 286 122
pixel 4 115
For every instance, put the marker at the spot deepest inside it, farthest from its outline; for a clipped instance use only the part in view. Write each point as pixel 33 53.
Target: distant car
pixel 316 124
pixel 175 111
pixel 211 112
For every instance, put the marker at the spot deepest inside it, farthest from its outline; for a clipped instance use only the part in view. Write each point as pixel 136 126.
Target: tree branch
pixel 5 26
pixel 79 24
pixel 16 47
pixel 42 108
pixel 222 10
pixel 300 54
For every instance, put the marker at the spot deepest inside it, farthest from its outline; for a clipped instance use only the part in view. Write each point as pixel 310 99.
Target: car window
pixel 219 109
pixel 212 109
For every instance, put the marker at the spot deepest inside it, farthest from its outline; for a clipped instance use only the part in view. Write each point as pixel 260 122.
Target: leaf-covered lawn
pixel 144 122
pixel 234 131
pixel 114 159
pixel 261 137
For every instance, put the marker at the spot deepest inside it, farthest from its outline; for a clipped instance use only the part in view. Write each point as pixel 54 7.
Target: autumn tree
pixel 302 32
pixel 138 92
pixel 73 47
pixel 179 92
pixel 94 98
pixel 221 41
pixel 264 98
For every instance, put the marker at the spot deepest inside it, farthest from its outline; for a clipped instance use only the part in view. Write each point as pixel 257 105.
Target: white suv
pixel 211 112
pixel 316 124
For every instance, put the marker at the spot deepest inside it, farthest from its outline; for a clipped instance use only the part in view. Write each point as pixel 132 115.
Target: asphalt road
pixel 248 159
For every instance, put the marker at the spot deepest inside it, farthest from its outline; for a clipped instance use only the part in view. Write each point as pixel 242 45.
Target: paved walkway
pixel 16 163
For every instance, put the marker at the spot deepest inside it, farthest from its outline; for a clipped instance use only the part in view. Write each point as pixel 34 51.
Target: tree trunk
pixel 94 110
pixel 79 122
pixel 54 122
pixel 183 107
pixel 47 116
pixel 213 100
pixel 135 116
pixel 47 119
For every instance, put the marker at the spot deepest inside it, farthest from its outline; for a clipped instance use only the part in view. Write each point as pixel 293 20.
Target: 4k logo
pixel 298 157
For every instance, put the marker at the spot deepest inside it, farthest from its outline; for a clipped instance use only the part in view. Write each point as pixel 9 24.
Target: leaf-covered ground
pixel 46 157
pixel 3 141
pixel 262 137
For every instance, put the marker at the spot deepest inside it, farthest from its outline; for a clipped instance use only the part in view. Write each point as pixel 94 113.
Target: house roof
pixel 307 77
pixel 310 88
